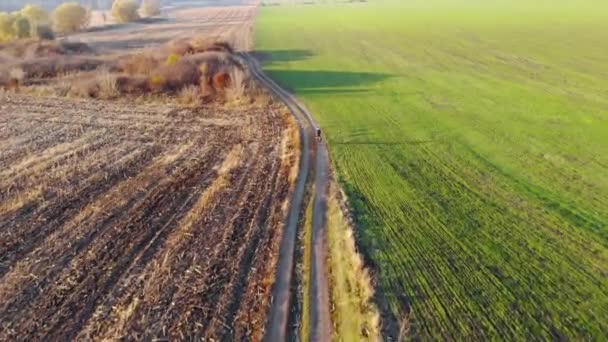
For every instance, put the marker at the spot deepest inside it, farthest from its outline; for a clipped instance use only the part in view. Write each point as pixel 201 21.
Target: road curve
pixel 316 151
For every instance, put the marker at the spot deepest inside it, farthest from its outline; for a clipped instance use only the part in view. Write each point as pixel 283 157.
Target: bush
pixel 36 16
pixel 21 27
pixel 138 64
pixel 180 47
pixel 70 17
pixel 134 85
pixel 150 8
pixel 44 32
pixel 172 59
pixel 174 77
pixel 125 11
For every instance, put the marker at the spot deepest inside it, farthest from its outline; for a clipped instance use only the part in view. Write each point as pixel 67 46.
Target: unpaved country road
pixel 315 162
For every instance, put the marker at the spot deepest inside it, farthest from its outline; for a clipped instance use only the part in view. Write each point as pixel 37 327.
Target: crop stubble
pixel 138 221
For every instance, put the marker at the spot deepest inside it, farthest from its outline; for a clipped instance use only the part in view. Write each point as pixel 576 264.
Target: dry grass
pixel 138 64
pixel 291 146
pixel 32 48
pixel 180 47
pixel 354 315
pixel 306 239
pixel 260 96
pixel 108 86
pixel 236 90
pixel 172 77
pixel 190 96
pixel 210 45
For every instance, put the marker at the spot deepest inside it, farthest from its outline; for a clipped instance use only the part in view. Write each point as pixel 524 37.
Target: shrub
pixel 50 67
pixel 150 8
pixel 135 85
pixel 125 11
pixel 36 49
pixel 180 47
pixel 70 17
pixel 22 27
pixel 175 76
pixel 203 44
pixel 36 16
pixel 172 59
pixel 138 64
pixel 44 32
pixel 221 81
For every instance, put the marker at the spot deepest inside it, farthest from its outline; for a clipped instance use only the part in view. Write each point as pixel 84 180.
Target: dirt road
pixel 312 152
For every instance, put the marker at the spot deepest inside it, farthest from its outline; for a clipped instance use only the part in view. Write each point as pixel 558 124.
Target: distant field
pixel 473 143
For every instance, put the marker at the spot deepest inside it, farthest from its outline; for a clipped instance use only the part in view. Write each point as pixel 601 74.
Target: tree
pixel 125 11
pixel 70 17
pixel 36 16
pixel 21 27
pixel 150 8
pixel 7 29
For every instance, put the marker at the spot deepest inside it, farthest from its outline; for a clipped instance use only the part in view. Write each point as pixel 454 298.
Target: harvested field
pixel 147 221
pixel 232 23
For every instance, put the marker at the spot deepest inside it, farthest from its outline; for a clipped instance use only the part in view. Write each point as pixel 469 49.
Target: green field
pixel 472 141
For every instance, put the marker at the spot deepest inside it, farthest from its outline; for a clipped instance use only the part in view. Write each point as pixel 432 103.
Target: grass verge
pixel 306 270
pixel 354 314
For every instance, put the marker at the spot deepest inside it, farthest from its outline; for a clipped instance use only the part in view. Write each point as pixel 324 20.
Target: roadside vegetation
pixel 354 314
pixel 471 142
pixel 306 271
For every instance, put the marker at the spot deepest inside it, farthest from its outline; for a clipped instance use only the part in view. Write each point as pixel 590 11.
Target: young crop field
pixel 472 140
pixel 138 221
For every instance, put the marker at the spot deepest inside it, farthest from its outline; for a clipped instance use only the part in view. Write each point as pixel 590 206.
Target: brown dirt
pixel 138 221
